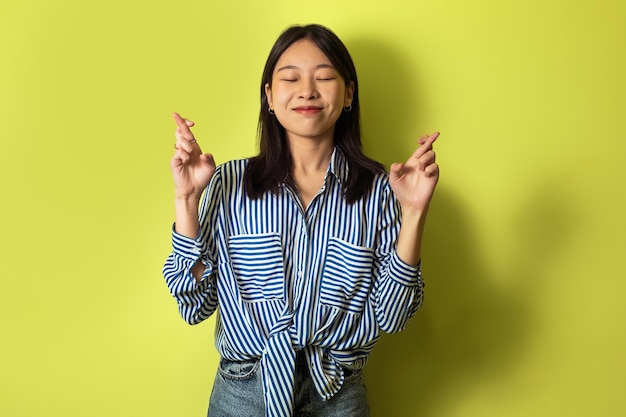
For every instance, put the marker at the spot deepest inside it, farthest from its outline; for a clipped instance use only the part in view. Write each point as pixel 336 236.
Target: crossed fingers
pixel 185 139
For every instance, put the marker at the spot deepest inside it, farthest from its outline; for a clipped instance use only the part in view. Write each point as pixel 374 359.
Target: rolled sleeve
pixel 404 273
pixel 185 246
pixel 196 300
pixel 399 296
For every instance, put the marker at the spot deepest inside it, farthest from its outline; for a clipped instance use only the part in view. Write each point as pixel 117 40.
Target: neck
pixel 310 156
pixel 310 160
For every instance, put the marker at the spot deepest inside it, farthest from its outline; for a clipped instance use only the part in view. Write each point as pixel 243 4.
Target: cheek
pixel 280 95
pixel 340 94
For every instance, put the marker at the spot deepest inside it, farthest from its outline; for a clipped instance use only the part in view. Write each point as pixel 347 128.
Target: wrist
pixel 413 214
pixel 187 216
pixel 409 243
pixel 187 200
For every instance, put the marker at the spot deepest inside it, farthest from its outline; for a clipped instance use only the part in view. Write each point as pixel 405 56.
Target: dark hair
pixel 266 171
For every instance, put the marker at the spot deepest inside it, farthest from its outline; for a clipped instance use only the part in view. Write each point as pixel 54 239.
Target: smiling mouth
pixel 307 109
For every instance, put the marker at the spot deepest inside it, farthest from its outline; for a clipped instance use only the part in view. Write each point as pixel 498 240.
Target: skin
pixel 307 96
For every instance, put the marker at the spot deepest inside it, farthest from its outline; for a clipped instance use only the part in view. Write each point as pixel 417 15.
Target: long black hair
pixel 273 165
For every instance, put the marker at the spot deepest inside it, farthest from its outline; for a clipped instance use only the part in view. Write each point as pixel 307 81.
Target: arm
pixel 192 170
pixel 414 183
pixel 398 292
pixel 189 271
pixel 398 289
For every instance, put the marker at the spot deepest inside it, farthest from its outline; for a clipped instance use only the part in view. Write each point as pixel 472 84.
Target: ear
pixel 349 94
pixel 268 93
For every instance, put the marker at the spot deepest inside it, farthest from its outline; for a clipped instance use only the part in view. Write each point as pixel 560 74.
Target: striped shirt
pixel 325 280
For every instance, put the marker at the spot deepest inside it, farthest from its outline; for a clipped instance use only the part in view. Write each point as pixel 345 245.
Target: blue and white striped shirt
pixel 325 280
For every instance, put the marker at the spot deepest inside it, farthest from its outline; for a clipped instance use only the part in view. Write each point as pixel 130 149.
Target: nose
pixel 308 89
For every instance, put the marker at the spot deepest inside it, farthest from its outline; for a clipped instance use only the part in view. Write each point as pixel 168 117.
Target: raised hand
pixel 192 170
pixel 414 181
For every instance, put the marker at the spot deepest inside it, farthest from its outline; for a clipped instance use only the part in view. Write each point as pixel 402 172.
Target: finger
pixel 183 126
pixel 181 151
pixel 432 171
pixel 423 139
pixel 188 146
pixel 180 158
pixel 208 159
pixel 178 119
pixel 426 144
pixel 395 170
pixel 427 159
pixel 430 139
pixel 184 136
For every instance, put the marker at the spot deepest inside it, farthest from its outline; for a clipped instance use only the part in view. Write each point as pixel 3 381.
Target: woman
pixel 301 247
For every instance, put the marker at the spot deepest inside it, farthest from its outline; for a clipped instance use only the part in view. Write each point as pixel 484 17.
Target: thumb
pixel 208 159
pixel 395 170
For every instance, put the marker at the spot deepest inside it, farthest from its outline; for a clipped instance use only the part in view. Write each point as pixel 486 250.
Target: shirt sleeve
pixel 398 290
pixel 196 300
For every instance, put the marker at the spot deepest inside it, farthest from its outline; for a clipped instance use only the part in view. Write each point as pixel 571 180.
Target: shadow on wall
pixel 389 97
pixel 469 331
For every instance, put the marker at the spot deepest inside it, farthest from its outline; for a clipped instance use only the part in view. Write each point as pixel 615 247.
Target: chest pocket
pixel 257 261
pixel 347 276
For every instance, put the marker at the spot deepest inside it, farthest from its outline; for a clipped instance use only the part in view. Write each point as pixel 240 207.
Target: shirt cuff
pixel 190 250
pixel 404 273
pixel 185 246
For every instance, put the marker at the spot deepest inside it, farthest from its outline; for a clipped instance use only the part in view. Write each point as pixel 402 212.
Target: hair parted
pixel 272 166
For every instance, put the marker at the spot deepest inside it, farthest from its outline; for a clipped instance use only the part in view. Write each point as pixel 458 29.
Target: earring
pixel 270 110
pixel 348 108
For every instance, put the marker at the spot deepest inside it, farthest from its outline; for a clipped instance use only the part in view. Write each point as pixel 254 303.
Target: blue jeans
pixel 238 392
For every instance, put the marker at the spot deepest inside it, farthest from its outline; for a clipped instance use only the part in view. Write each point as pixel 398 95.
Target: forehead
pixel 302 54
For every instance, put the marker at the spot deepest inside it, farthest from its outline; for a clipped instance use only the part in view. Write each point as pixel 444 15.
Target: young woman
pixel 309 249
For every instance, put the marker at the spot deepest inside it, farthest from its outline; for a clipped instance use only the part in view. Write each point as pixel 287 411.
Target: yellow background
pixel 524 252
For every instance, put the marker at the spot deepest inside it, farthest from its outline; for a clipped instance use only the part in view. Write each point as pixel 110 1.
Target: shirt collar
pixel 338 166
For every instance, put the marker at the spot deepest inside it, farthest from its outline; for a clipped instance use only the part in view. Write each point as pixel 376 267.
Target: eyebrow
pixel 291 67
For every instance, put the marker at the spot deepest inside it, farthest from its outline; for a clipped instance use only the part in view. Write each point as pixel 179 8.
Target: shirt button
pixel 300 274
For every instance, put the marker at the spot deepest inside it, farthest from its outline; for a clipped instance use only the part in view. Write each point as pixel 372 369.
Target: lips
pixel 307 109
